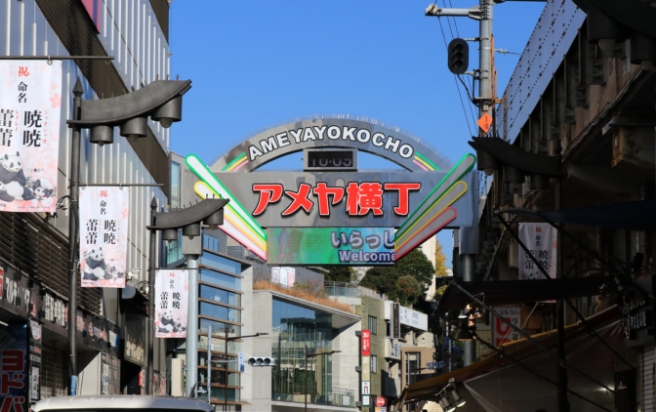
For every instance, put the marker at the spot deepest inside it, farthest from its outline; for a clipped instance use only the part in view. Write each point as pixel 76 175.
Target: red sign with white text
pixel 366 343
pixel 360 198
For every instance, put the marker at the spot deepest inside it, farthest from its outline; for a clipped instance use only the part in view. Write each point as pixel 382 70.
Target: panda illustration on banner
pixel 15 186
pixel 95 267
pixel 168 325
pixel 12 179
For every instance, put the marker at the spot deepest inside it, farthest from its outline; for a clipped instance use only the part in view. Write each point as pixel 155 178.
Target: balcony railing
pixel 350 290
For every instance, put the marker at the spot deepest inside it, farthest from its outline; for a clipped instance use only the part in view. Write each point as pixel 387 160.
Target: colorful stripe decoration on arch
pixel 435 211
pixel 238 223
pixel 424 162
pixel 236 163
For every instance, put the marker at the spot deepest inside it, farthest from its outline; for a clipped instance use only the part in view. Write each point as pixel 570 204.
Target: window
pixel 374 364
pixel 373 325
pixel 412 364
pixel 221 263
pixel 210 243
pixel 220 279
pixel 219 295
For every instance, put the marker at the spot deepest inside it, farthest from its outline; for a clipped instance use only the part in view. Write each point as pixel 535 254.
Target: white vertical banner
pixel 171 296
pixel 30 112
pixel 540 239
pixel 103 236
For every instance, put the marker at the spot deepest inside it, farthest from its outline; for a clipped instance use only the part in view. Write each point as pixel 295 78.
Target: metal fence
pixel 350 290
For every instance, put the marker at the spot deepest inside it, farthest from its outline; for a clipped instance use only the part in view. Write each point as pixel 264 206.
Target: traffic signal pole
pixel 484 101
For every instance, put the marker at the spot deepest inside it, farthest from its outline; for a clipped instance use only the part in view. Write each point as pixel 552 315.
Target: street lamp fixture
pixel 162 100
pixel 308 356
pixel 189 220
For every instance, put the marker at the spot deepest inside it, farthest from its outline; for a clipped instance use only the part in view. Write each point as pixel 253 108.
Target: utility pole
pixel 484 101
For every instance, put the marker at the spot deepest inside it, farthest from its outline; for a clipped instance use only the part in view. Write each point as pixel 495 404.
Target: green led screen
pixel 330 246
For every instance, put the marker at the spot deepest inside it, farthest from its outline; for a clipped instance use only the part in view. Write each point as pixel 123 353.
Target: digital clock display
pixel 330 159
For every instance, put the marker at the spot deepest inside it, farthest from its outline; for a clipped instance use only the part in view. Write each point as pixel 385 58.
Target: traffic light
pixel 458 56
pixel 261 361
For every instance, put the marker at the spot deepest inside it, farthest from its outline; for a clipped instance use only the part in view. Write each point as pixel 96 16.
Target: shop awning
pixel 508 292
pixel 640 215
pixel 497 383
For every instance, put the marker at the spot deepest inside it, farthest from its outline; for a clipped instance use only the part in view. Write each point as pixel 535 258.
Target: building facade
pixel 34 256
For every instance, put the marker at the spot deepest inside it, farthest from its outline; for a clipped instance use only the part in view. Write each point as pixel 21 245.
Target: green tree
pixel 339 273
pixel 385 279
pixel 417 265
pixel 408 290
pixel 381 279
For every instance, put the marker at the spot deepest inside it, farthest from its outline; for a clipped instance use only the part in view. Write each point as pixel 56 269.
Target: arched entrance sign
pixel 331 213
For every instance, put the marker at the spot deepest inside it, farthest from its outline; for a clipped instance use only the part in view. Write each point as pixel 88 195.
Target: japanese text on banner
pixel 540 239
pixel 171 292
pixel 30 107
pixel 103 236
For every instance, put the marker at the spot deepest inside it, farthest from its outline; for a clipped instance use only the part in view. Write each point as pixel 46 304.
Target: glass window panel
pixel 218 394
pixel 220 295
pixel 219 327
pixel 219 347
pixel 219 312
pixel 220 279
pixel 221 263
pixel 218 377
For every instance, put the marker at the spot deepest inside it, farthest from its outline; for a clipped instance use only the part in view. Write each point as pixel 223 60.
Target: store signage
pixel 541 240
pixel 396 321
pixel 366 388
pixel 30 107
pixel 104 215
pixel 14 365
pixel 365 372
pixel 435 195
pixel 134 331
pixel 331 246
pixel 413 318
pixel 285 276
pixel 171 292
pixel 331 199
pixel 55 310
pixel 502 332
pixel 36 333
pixel 366 400
pixel 366 343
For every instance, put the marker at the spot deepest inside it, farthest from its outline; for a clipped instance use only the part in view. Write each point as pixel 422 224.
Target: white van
pixel 120 403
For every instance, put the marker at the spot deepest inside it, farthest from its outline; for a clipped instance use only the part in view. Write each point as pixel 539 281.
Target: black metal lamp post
pixel 162 101
pixel 308 356
pixel 209 212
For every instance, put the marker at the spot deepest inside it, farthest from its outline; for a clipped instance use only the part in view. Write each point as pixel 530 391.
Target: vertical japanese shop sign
pixel 13 368
pixel 366 343
pixel 30 107
pixel 36 332
pixel 171 289
pixel 103 236
pixel 365 371
pixel 502 332
pixel 540 239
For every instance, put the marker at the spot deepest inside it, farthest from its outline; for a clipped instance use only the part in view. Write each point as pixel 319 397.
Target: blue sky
pixel 259 63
